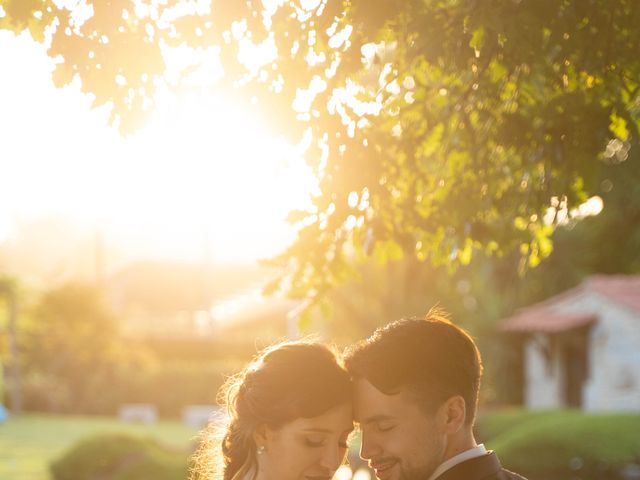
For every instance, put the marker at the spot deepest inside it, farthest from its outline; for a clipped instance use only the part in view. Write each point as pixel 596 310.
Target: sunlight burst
pixel 204 180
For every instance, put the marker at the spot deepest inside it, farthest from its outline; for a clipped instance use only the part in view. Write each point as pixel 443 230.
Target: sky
pixel 201 182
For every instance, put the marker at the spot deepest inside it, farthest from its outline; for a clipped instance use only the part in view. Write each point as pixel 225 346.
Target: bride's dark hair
pixel 286 381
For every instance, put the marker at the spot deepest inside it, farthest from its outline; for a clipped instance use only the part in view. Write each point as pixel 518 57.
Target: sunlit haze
pixel 201 181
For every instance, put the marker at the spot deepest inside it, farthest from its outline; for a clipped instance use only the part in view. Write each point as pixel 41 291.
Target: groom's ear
pixel 453 413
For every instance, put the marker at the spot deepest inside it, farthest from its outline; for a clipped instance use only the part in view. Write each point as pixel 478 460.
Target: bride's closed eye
pixel 314 441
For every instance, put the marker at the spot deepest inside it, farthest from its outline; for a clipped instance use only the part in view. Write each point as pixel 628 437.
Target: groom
pixel 416 394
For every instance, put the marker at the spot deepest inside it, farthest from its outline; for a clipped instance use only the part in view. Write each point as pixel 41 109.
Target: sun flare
pixel 203 181
pixel 217 171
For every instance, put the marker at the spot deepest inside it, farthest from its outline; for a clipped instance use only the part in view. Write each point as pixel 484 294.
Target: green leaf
pixel 618 127
pixel 520 223
pixel 304 321
pixel 326 309
pixel 546 246
pixel 465 254
pixel 477 39
pixel 386 251
pixel 432 142
pixel 534 257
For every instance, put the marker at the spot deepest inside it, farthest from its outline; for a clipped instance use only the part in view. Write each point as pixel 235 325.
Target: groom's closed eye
pixel 384 426
pixel 379 422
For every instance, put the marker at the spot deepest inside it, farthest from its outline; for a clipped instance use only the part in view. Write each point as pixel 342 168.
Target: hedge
pixel 120 457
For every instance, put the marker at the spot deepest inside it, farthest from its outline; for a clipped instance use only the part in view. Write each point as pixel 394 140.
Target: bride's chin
pixel 318 477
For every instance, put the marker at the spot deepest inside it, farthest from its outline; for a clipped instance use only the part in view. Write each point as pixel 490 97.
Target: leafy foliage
pixel 76 361
pixel 437 128
pixel 70 349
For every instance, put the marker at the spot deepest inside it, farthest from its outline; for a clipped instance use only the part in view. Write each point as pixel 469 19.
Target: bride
pixel 289 416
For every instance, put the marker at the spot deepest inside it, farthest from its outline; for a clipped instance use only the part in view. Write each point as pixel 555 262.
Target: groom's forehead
pixel 370 404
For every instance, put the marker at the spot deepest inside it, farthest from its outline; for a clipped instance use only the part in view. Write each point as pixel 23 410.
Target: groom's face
pixel 399 439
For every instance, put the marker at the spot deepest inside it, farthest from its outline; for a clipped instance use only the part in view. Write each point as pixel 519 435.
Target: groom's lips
pixel 382 468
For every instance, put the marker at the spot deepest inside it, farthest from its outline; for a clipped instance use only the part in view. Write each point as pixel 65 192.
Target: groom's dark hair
pixel 429 357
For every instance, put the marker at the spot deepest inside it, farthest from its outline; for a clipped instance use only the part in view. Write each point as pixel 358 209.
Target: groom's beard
pixel 402 470
pixel 421 473
pixel 422 470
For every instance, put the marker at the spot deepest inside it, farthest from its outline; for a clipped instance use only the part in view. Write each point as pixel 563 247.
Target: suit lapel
pixel 474 469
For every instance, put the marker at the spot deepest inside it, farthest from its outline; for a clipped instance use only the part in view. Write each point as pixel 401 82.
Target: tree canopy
pixel 70 349
pixel 437 128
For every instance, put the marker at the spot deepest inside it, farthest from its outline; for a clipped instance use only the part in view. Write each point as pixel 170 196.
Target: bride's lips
pixel 318 477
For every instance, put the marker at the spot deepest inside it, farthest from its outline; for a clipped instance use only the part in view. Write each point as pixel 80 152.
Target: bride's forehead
pixel 337 419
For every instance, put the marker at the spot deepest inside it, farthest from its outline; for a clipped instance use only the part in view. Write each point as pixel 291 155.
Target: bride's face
pixel 306 448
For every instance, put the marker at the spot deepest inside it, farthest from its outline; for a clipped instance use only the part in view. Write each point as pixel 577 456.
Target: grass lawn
pixel 538 444
pixel 564 443
pixel 28 443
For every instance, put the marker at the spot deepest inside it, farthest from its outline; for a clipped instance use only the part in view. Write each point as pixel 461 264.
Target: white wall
pixel 614 381
pixel 613 360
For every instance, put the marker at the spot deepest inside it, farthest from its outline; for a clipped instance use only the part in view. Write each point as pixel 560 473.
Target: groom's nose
pixel 369 448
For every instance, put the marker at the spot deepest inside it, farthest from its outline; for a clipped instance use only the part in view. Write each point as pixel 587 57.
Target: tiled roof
pixel 544 317
pixel 624 289
pixel 545 321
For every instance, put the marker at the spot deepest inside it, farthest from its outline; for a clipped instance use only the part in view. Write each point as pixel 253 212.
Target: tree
pixel 71 349
pixel 9 293
pixel 437 128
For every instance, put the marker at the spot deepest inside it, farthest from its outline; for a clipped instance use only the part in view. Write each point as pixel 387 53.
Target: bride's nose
pixel 332 457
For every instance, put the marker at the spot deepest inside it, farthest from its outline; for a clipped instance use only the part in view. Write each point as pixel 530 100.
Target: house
pixel 582 347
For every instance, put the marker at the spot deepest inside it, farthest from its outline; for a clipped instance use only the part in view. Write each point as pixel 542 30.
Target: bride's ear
pixel 260 435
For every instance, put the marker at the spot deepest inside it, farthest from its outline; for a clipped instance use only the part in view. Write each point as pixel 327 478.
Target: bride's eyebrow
pixel 317 430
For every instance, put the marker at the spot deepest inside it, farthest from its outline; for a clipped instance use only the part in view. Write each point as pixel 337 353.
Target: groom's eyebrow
pixel 317 430
pixel 376 418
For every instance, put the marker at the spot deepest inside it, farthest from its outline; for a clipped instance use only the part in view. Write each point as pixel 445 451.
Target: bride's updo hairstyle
pixel 287 381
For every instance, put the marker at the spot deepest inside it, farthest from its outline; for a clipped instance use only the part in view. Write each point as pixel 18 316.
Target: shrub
pixel 120 457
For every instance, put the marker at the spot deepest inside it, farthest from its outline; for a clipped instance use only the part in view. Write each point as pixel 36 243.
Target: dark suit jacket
pixel 486 467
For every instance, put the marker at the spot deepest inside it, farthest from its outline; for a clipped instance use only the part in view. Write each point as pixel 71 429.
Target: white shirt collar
pixel 455 460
